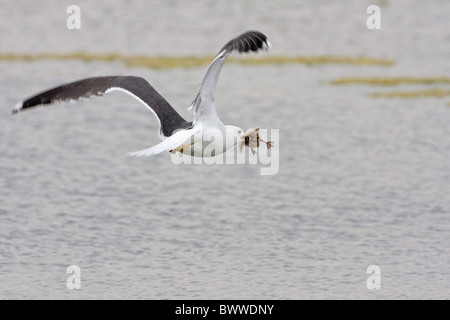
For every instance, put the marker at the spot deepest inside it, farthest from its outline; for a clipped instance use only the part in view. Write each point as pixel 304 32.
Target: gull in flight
pixel 177 134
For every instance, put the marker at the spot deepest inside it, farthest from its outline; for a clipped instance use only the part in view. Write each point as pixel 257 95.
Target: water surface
pixel 362 180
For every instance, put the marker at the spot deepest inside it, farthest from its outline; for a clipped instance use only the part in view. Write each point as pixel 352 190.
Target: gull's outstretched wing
pixel 203 104
pixel 137 87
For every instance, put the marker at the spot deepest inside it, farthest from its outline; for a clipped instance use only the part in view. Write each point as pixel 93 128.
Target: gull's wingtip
pixel 250 41
pixel 17 107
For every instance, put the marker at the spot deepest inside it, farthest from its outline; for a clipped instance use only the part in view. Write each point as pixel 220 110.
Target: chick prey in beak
pixel 252 139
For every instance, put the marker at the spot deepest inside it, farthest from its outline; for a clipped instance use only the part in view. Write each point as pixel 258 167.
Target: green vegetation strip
pixel 391 81
pixel 430 93
pixel 170 62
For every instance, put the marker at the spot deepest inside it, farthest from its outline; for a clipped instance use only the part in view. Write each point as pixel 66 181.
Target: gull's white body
pixel 202 140
pixel 212 141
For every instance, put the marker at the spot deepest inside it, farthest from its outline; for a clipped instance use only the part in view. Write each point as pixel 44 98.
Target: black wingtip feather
pixel 248 41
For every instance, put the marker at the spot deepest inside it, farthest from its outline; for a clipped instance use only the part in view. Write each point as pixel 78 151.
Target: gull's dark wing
pixel 137 87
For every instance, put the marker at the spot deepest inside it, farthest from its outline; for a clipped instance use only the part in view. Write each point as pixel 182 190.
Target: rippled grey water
pixel 361 182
